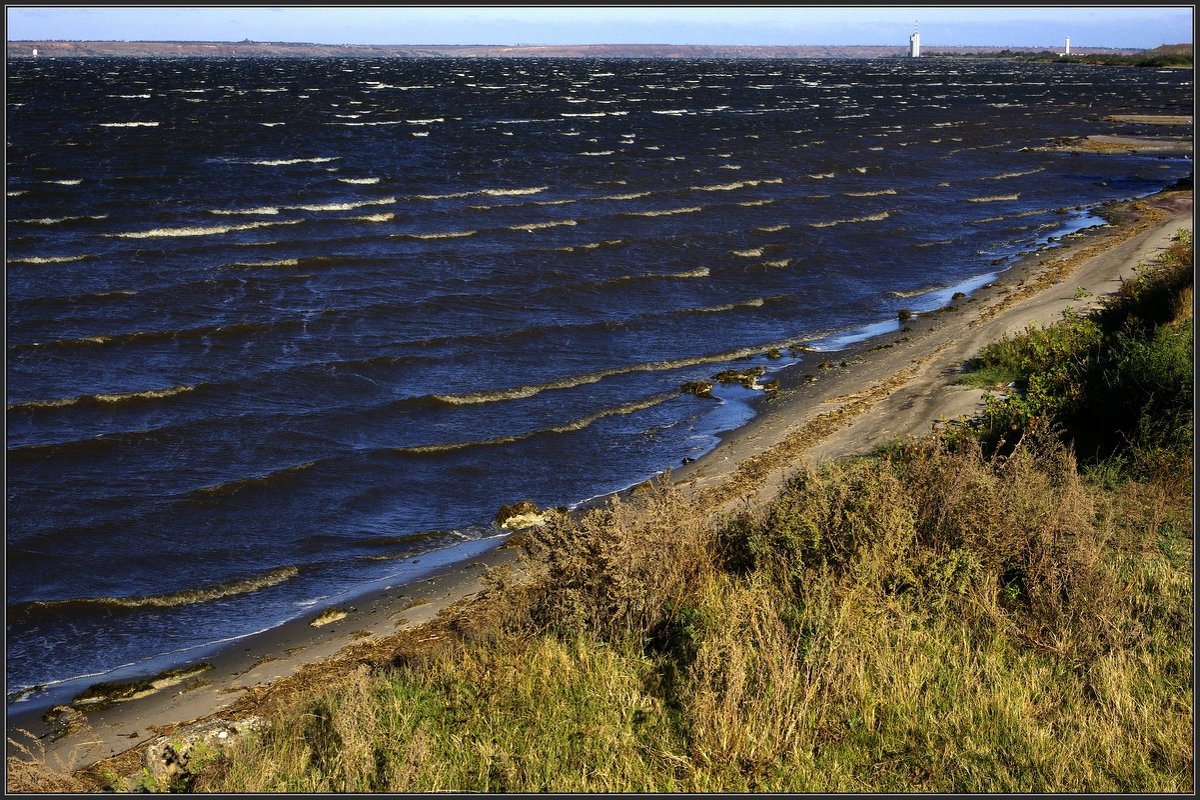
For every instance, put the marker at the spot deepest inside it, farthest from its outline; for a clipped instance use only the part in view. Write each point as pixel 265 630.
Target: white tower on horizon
pixel 914 41
pixel 1067 52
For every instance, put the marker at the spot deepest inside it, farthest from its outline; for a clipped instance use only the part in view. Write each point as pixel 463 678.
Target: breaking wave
pixel 994 198
pixel 186 597
pixel 222 490
pixel 438 235
pixel 663 212
pixel 575 425
pixel 522 392
pixel 47 259
pixel 284 162
pixel 882 215
pixel 531 226
pixel 164 233
pixel 110 399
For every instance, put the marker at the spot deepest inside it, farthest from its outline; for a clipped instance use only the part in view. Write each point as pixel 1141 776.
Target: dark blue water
pixel 275 328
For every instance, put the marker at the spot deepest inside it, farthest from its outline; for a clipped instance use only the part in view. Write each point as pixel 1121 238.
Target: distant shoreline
pixel 249 49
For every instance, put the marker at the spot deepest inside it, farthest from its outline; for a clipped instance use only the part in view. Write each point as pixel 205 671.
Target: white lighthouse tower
pixel 914 42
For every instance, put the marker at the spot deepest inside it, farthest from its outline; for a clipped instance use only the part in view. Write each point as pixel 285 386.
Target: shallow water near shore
pixel 282 329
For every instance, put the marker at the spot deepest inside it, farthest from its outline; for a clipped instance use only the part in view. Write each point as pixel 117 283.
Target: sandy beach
pixel 831 405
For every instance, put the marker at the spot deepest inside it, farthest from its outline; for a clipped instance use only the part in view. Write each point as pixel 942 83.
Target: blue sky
pixel 1094 26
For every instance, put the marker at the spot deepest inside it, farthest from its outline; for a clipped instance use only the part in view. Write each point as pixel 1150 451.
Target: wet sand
pixel 830 405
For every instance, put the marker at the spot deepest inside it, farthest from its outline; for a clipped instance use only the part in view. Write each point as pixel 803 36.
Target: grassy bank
pixel 1005 607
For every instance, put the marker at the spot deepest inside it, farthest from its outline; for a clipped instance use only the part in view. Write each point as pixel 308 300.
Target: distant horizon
pixel 1125 27
pixel 924 45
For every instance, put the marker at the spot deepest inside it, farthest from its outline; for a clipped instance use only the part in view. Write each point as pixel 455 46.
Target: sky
pixel 1143 26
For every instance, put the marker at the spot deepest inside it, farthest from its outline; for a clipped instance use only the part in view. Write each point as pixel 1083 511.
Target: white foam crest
pixel 754 253
pixel 17 193
pixel 755 303
pixel 372 85
pixel 590 245
pixel 723 187
pixel 870 218
pixel 46 259
pixel 361 181
pixel 67 182
pixel 776 264
pixel 420 133
pixel 149 394
pixel 384 201
pixel 876 193
pixel 128 124
pixel 730 166
pixel 441 235
pixel 629 196
pixel 906 293
pixel 598 153
pixel 372 123
pixel 56 220
pixel 823 175
pixel 664 212
pixel 532 226
pixel 160 233
pixel 702 272
pixel 450 196
pixel 575 425
pixel 994 198
pixel 269 211
pixel 772 228
pixel 752 203
pixel 285 162
pixel 271 124
pixel 628 408
pixel 282 262
pixel 523 392
pixel 385 217
pixel 512 192
pixel 1033 212
pixel 1004 175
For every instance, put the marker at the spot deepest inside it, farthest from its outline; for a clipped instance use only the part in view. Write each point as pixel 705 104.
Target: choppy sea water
pixel 277 328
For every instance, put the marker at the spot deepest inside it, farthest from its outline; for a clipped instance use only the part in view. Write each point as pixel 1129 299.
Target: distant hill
pixel 76 49
pixel 1170 50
